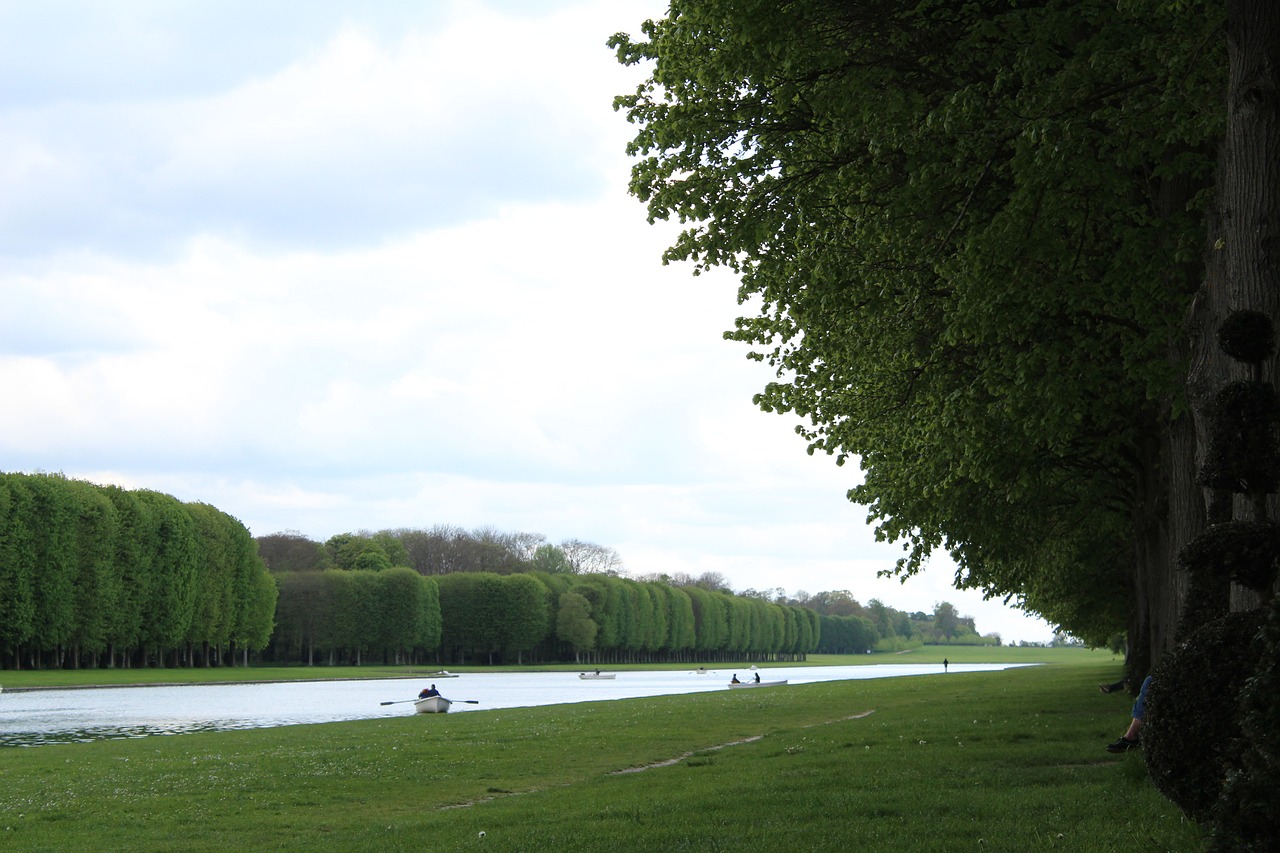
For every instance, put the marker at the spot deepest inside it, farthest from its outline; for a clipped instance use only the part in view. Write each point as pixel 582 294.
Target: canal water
pixel 37 717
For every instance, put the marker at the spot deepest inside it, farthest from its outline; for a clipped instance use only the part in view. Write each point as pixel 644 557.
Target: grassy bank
pixel 983 761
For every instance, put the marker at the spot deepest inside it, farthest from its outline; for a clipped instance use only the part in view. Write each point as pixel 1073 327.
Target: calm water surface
pixel 33 718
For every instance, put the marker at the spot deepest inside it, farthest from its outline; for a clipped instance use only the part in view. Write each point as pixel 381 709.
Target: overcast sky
pixel 334 267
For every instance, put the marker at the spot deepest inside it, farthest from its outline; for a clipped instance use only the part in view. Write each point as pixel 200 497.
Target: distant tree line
pixel 103 576
pixel 397 616
pixel 849 627
pixel 514 598
pixel 440 550
pixel 489 597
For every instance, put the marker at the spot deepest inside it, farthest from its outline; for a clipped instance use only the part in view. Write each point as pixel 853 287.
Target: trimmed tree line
pixel 101 576
pixel 398 616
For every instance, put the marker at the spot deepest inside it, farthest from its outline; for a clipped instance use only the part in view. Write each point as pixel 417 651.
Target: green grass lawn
pixel 1009 760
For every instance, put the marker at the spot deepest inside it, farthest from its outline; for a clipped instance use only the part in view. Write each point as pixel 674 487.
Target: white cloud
pixel 359 136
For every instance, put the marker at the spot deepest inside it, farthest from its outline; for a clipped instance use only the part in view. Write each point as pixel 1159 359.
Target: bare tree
pixel 589 558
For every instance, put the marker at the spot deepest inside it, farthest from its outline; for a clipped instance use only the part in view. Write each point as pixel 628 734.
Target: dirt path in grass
pixel 665 763
pixel 672 761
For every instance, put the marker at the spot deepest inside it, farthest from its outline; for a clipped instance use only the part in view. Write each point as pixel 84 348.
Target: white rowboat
pixel 734 685
pixel 588 676
pixel 432 705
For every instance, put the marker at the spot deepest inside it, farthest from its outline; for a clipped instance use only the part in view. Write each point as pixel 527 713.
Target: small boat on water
pixel 736 684
pixel 590 676
pixel 444 673
pixel 432 705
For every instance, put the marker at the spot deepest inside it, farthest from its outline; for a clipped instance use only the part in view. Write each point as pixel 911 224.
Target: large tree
pixel 969 233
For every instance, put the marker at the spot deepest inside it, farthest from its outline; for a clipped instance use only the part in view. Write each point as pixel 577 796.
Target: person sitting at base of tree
pixel 1131 738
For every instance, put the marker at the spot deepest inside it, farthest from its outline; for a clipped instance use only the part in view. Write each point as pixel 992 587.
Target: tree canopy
pixel 968 233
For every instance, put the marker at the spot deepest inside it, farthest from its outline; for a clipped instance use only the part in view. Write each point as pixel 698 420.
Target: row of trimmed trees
pixel 398 616
pixel 100 576
pixel 847 626
pixel 103 576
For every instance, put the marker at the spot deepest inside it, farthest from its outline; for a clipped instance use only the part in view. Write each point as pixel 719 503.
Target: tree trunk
pixel 1170 506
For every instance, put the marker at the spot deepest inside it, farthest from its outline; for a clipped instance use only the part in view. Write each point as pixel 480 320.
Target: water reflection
pixel 38 717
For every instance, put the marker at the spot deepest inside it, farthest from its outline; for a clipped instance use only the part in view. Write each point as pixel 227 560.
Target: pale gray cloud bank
pixel 335 267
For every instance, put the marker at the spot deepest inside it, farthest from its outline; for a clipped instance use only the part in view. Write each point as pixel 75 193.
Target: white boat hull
pixel 432 705
pixel 602 676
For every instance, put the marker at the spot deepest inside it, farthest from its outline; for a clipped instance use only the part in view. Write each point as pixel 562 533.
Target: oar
pixel 402 701
pixel 398 702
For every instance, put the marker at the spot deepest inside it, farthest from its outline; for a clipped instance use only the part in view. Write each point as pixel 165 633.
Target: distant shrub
pixel 898 644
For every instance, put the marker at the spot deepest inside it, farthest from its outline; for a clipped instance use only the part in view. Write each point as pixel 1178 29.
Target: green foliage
pixel 338 626
pixel 847 635
pixel 256 609
pixel 17 572
pixel 298 613
pixel 366 552
pixel 94 574
pixel 550 559
pixel 474 618
pixel 400 608
pixel 711 623
pixel 1243 424
pixel 1192 729
pixel 527 616
pixel 53 541
pixel 97 585
pixel 293 552
pixel 946 621
pixel 1243 551
pixel 170 593
pixel 1245 814
pixel 574 624
pixel 681 623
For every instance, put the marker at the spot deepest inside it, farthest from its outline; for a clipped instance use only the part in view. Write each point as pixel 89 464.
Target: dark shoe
pixel 1123 745
pixel 1105 688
